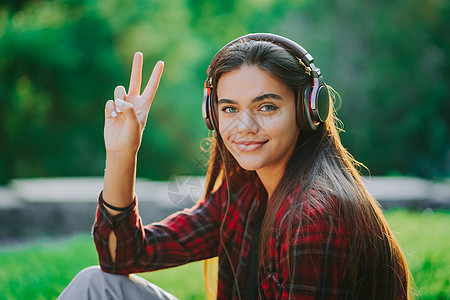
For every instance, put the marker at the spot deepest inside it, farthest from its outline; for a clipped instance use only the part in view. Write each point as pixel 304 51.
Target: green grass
pixel 425 240
pixel 41 270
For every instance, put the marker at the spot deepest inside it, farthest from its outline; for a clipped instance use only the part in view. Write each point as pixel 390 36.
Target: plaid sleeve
pixel 319 251
pixel 185 236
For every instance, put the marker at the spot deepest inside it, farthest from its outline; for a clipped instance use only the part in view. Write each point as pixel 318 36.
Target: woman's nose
pixel 247 122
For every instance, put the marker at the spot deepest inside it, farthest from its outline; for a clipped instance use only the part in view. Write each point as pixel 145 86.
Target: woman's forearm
pixel 119 180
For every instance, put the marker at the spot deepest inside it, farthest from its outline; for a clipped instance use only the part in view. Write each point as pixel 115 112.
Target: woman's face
pixel 256 118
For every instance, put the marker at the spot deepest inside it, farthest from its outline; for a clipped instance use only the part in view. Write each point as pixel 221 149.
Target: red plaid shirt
pixel 319 250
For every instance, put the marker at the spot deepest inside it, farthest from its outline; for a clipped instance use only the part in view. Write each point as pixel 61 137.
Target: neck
pixel 270 177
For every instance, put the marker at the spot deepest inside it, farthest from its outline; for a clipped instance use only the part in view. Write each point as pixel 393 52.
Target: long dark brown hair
pixel 319 163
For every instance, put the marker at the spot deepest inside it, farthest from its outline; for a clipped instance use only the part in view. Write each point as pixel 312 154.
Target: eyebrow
pixel 257 99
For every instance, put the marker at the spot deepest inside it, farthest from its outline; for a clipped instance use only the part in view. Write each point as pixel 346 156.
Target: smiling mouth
pixel 247 146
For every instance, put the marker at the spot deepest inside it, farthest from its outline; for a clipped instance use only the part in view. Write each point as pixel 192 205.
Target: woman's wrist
pixel 123 156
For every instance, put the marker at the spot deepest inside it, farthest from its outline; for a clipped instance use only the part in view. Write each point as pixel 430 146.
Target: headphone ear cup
pixel 322 104
pixel 206 108
pixel 213 112
pixel 304 121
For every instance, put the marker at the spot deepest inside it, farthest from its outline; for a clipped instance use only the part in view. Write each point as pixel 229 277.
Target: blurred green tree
pixel 60 61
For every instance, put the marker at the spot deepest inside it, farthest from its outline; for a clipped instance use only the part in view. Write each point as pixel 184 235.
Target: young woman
pixel 284 208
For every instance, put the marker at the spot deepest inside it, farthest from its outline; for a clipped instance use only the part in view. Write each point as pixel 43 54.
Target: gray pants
pixel 93 283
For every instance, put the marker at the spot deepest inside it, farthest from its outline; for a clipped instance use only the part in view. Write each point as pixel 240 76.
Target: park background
pixel 60 61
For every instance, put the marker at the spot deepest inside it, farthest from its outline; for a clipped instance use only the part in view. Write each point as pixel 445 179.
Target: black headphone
pixel 313 105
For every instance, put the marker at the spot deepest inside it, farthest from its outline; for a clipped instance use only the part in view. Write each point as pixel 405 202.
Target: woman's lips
pixel 249 146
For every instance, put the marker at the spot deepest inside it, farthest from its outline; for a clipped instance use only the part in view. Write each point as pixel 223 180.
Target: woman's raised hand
pixel 126 116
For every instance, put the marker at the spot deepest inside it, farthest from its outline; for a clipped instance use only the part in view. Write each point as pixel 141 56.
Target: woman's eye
pixel 229 109
pixel 268 107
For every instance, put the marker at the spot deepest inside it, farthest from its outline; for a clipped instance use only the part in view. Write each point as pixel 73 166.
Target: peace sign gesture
pixel 125 118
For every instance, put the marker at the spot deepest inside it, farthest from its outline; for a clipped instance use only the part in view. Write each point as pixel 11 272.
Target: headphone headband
pixel 312 106
pixel 286 43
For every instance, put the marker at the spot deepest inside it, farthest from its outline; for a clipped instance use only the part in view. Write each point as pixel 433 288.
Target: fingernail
pixel 114 114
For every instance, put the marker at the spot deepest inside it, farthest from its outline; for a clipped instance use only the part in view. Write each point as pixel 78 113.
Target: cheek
pixel 226 134
pixel 280 127
pixel 224 125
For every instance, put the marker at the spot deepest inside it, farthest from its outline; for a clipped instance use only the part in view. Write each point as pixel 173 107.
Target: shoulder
pixel 309 212
pixel 313 235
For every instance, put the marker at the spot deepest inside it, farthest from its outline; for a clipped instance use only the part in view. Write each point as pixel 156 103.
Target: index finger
pixel 153 82
pixel 136 75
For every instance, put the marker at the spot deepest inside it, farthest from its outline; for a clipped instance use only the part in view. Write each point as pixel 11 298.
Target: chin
pixel 249 166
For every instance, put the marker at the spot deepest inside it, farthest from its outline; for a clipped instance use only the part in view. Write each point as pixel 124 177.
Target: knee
pixel 90 273
pixel 95 274
pixel 92 276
